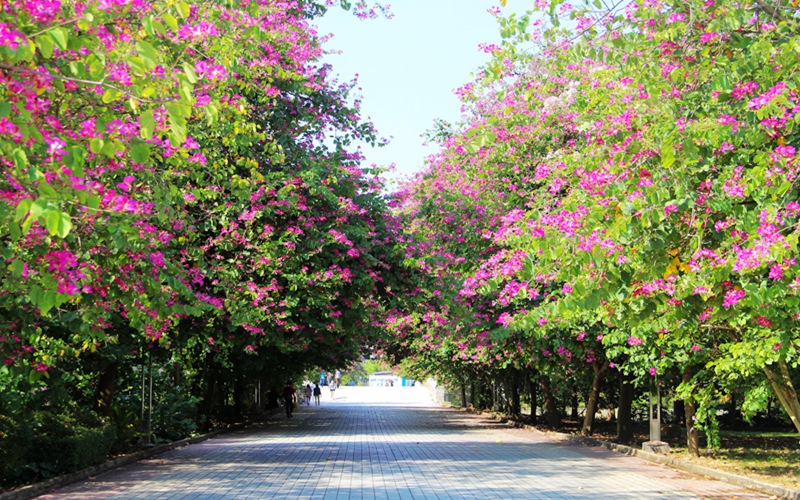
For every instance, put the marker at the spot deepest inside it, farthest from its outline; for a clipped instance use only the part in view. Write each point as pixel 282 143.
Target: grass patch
pixel 765 456
pixel 769 456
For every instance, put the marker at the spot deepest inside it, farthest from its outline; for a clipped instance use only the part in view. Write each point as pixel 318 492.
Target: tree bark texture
pixel 781 381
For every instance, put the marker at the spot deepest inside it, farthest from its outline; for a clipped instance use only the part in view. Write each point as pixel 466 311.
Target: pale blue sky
pixel 409 65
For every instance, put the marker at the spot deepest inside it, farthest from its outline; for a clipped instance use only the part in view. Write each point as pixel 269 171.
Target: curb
pixel 675 463
pixel 34 490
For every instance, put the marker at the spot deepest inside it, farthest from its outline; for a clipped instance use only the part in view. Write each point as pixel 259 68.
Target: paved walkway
pixel 392 443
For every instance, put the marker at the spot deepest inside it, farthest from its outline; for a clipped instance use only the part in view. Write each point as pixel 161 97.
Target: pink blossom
pixel 125 185
pixel 671 208
pixel 732 297
pixel 9 36
pixel 708 37
pixel 763 321
pixel 633 341
pixel 42 11
pixel 729 120
pixel 157 258
pixel 505 319
pixel 39 366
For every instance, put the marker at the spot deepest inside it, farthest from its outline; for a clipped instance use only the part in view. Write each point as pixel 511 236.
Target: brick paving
pixel 392 443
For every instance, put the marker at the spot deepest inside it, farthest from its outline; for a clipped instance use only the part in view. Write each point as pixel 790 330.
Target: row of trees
pixel 618 208
pixel 180 195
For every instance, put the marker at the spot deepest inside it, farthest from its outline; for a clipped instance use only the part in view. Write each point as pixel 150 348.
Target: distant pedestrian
pixel 332 387
pixel 317 394
pixel 289 395
pixel 308 392
pixel 338 377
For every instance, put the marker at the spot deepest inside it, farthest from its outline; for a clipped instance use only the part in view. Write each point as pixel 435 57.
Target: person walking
pixel 307 391
pixel 317 394
pixel 332 387
pixel 289 395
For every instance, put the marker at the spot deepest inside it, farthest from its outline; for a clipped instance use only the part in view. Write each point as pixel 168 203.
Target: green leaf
pixel 60 36
pixel 37 208
pixel 111 148
pixel 189 71
pixel 147 24
pixel 667 154
pixel 64 225
pixel 148 53
pixel 172 23
pixel 52 221
pixel 15 231
pixel 186 91
pixel 20 158
pixel 46 301
pixel 183 9
pixel 18 266
pixel 5 109
pixel 177 123
pixel 212 114
pixel 26 226
pixel 140 153
pixel 93 202
pixel 46 190
pixel 46 45
pixel 96 145
pixel 147 124
pixel 111 95
pixel 158 26
pixel 22 209
pixel 137 66
pixel 75 159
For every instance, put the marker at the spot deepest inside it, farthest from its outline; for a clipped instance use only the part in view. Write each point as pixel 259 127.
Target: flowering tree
pixel 180 178
pixel 644 168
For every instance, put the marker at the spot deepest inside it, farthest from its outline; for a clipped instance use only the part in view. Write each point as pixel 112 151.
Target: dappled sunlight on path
pixel 393 443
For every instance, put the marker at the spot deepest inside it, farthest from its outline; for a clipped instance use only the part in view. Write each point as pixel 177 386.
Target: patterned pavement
pixel 393 443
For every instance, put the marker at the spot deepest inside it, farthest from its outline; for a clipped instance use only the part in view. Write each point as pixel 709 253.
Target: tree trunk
pixel 692 439
pixel 574 406
pixel 209 390
pixel 625 413
pixel 550 410
pixel 516 405
pixel 496 406
pixel 592 400
pixel 463 394
pixel 534 397
pixel 106 387
pixel 238 396
pixel 679 410
pixel 781 382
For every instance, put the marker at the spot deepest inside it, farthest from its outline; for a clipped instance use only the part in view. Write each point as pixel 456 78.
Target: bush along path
pixel 617 213
pixel 181 207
